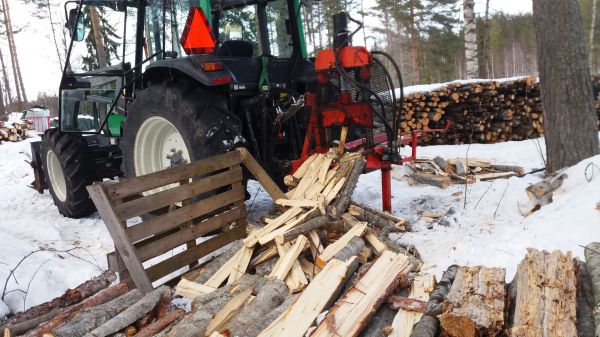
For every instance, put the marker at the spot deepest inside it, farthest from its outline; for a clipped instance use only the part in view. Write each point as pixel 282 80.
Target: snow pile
pixel 3 310
pixel 436 86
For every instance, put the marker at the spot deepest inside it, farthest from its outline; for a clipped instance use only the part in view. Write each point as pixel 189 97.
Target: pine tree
pixel 21 95
pixel 6 81
pixel 102 42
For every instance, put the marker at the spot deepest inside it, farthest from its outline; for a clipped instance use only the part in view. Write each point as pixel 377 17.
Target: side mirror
pixel 75 25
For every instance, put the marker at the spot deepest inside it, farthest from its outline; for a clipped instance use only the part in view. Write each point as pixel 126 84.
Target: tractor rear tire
pixel 173 123
pixel 67 169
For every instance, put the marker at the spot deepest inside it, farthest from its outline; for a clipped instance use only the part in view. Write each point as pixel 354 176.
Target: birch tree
pixel 472 67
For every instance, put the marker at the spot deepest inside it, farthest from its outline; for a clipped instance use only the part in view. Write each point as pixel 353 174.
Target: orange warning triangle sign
pixel 197 37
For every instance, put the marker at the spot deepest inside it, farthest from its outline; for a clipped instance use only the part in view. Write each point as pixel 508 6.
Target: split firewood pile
pixel 15 132
pixel 442 172
pixel 552 294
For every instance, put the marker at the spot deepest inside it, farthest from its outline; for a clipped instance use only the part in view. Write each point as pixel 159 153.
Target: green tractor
pixel 190 79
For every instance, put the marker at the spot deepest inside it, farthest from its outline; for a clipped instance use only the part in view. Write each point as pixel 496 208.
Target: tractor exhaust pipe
pixel 341 37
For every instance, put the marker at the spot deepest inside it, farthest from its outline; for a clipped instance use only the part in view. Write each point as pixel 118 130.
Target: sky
pixel 39 62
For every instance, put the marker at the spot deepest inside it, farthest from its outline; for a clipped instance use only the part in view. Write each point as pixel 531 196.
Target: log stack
pixel 15 132
pixel 479 112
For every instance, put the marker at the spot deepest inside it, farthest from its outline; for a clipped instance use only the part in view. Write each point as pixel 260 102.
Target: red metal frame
pixel 347 113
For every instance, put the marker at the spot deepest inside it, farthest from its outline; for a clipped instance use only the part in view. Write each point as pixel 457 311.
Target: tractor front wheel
pixel 67 169
pixel 173 123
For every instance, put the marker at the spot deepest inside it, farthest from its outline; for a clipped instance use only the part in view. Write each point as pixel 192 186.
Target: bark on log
pixel 131 314
pixel 206 306
pixel 385 221
pixel 218 262
pixel 101 297
pixel 343 199
pixel 592 260
pixel 70 297
pixel 90 318
pixel 585 304
pixel 430 179
pixel 546 295
pixel 304 228
pixel 272 294
pixel 429 324
pixel 352 249
pixel 161 323
pixel 476 303
pixel 267 319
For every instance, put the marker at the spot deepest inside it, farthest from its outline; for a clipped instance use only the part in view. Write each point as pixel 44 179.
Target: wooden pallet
pixel 188 201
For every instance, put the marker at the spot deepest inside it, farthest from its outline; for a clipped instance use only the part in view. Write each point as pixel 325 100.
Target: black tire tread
pixel 72 153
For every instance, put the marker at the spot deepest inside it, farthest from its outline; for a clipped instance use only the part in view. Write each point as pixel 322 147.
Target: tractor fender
pixel 192 67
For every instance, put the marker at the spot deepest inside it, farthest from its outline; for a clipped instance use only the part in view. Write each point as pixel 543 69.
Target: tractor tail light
pixel 212 66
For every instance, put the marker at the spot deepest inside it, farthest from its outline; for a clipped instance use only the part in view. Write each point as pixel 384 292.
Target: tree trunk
pixel 11 50
pixel 413 45
pixel 485 53
pixel 592 48
pixel 2 105
pixel 98 40
pixel 546 302
pixel 475 304
pixel 570 120
pixel 6 83
pixel 472 68
pixel 58 54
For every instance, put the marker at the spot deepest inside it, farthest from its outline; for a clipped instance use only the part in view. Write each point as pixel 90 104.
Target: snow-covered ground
pixel 489 228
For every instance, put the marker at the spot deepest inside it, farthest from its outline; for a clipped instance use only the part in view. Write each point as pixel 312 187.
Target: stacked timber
pixel 479 112
pixel 15 132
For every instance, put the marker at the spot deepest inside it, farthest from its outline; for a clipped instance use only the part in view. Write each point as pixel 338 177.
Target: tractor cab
pixel 119 46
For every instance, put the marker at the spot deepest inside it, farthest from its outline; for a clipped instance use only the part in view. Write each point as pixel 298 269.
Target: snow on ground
pixel 489 228
pixel 30 222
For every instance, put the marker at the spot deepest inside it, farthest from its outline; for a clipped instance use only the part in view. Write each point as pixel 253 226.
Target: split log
pixel 70 297
pixel 353 248
pixel 541 192
pixel 412 308
pixel 161 323
pixel 341 205
pixel 508 168
pixel 592 260
pixel 378 218
pixel 407 304
pixel 429 324
pixel 229 311
pixel 216 263
pixel 546 295
pixel 429 179
pixel 272 294
pixel 350 314
pixel 335 247
pixel 476 303
pixel 190 289
pixel 131 314
pixel 304 228
pixel 376 239
pixel 66 314
pixel 323 290
pixel 90 318
pixel 206 306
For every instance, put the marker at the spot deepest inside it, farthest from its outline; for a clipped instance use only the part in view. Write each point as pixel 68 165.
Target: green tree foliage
pixel 109 36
